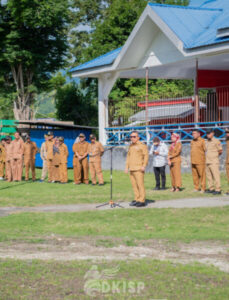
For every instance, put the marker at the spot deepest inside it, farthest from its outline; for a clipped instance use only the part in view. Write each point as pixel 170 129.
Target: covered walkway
pixel 169 42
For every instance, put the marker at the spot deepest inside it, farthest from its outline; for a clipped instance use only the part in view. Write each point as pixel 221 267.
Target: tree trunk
pixel 22 104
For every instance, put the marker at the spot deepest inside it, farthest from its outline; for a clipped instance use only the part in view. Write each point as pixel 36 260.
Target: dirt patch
pixel 67 249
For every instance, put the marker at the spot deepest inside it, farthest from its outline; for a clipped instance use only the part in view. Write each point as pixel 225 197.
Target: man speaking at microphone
pixel 136 162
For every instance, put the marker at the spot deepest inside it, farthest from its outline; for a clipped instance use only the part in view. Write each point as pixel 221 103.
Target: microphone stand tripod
pixel 111 202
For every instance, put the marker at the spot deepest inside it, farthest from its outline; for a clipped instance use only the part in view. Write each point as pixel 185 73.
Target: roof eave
pixel 93 72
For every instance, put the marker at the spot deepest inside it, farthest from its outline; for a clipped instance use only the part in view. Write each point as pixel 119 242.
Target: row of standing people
pixel 204 162
pixel 54 154
pixel 16 154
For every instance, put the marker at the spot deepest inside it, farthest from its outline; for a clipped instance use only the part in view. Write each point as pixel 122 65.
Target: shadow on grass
pixel 15 185
pixel 148 201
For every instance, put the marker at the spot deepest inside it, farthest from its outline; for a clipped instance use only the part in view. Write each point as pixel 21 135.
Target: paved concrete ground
pixel 180 203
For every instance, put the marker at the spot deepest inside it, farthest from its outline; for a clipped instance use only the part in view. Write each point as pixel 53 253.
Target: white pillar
pixel 196 91
pixel 105 85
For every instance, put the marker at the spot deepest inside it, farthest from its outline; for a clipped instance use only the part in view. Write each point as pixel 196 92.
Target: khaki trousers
pixel 227 171
pixel 50 170
pixel 63 172
pixel 199 176
pixel 30 164
pixel 55 172
pixel 9 175
pixel 175 174
pixel 81 169
pixel 44 170
pixel 213 177
pixel 96 170
pixel 2 168
pixel 137 181
pixel 16 165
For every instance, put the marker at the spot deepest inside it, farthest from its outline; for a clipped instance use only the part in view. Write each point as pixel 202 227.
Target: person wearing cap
pixel 63 161
pixel 49 148
pixel 198 149
pixel 95 151
pixel 159 150
pixel 227 153
pixel 17 157
pixel 136 162
pixel 56 160
pixel 2 158
pixel 8 148
pixel 30 151
pixel 80 161
pixel 213 151
pixel 43 155
pixel 174 162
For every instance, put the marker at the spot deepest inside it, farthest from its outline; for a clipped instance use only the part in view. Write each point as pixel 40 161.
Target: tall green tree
pixel 33 42
pixel 83 15
pixel 72 104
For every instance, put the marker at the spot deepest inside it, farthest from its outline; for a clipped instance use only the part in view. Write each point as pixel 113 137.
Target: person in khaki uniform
pixel 63 149
pixel 17 157
pixel 56 161
pixel 95 151
pixel 136 162
pixel 2 158
pixel 30 151
pixel 198 149
pixel 80 161
pixel 213 151
pixel 49 148
pixel 227 153
pixel 43 155
pixel 174 162
pixel 8 148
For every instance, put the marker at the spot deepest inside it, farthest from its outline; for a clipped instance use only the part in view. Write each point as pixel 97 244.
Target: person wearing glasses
pixel 136 162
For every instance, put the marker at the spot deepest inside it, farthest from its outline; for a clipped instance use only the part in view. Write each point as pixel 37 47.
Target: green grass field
pixel 150 279
pixel 37 279
pixel 172 224
pixel 35 193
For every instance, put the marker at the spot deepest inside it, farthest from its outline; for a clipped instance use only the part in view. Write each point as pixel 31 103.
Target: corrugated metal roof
pixel 192 25
pixel 196 26
pixel 103 60
pixel 169 111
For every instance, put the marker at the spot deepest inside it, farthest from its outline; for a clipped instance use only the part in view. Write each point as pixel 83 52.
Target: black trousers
pixel 159 173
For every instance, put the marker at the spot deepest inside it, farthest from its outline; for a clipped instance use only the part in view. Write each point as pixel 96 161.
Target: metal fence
pixel 121 135
pixel 129 112
pixel 163 116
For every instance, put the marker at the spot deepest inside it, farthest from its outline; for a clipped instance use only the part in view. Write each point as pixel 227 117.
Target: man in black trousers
pixel 159 150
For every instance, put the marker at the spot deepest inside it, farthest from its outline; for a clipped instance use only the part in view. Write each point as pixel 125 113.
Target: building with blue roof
pixel 170 42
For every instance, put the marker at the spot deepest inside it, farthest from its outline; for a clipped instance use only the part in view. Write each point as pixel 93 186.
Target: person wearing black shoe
pixel 227 155
pixel 213 151
pixel 216 193
pixel 174 162
pixel 136 162
pixel 133 203
pixel 209 191
pixel 198 150
pixel 140 204
pixel 159 150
